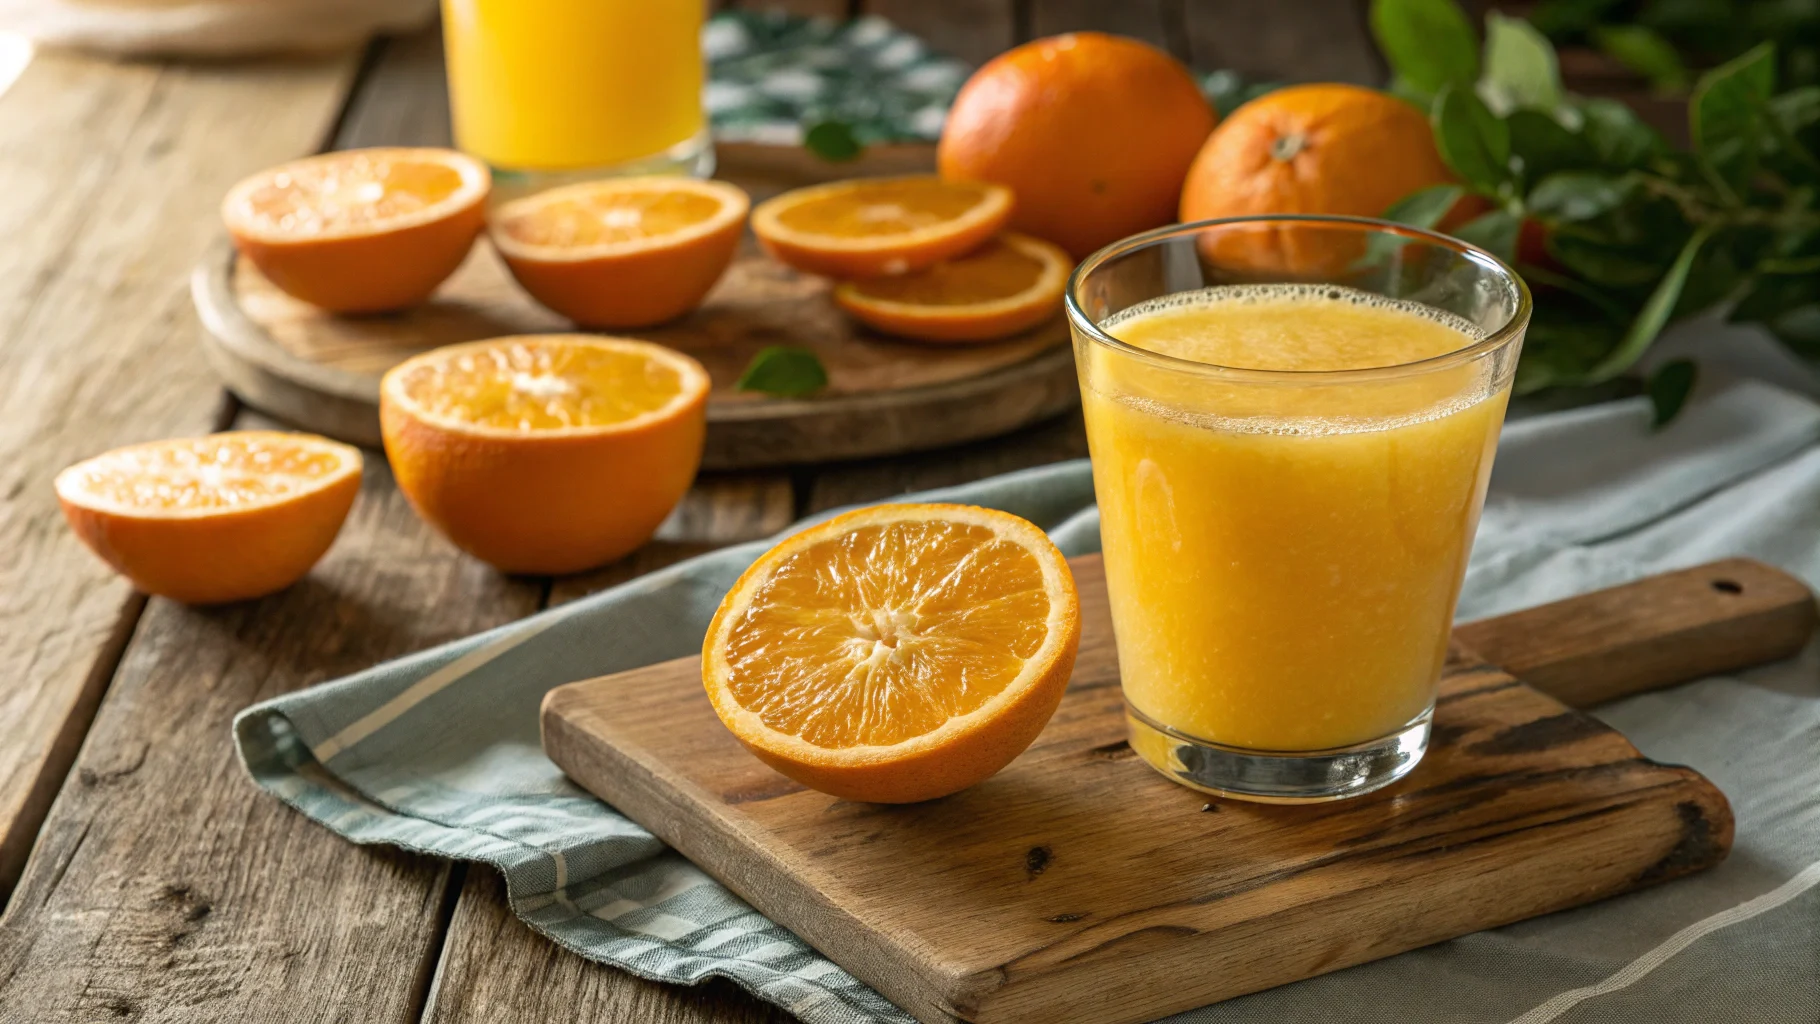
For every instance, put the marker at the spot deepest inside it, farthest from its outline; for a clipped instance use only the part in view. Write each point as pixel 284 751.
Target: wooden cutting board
pixel 321 372
pixel 1080 885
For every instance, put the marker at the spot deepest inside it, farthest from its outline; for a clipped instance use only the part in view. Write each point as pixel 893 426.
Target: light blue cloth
pixel 439 752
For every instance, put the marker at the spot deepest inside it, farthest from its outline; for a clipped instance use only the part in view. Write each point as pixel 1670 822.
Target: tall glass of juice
pixel 1292 421
pixel 578 88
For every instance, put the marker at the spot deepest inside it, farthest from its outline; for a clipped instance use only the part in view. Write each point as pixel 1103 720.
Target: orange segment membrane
pixel 358 190
pixel 605 217
pixel 997 271
pixel 882 208
pixel 204 473
pixel 887 632
pixel 542 387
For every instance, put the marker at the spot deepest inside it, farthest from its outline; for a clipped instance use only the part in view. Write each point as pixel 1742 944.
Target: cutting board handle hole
pixel 1728 586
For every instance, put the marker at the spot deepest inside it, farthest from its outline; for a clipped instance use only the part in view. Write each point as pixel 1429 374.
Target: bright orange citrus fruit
pixel 624 252
pixel 896 653
pixel 211 519
pixel 1333 149
pixel 363 230
pixel 545 453
pixel 870 227
pixel 1092 132
pixel 1010 284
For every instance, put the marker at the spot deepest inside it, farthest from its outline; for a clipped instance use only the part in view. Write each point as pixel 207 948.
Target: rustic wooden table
pixel 144 877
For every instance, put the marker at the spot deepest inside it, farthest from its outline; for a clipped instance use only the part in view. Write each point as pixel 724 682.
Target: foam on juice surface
pixel 1291 327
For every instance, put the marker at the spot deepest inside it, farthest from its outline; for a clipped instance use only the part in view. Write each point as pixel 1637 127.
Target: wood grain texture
pixel 165 886
pixel 494 970
pixel 1064 437
pixel 973 30
pixel 113 173
pixel 1157 22
pixel 497 971
pixel 1707 620
pixel 1064 886
pixel 1285 41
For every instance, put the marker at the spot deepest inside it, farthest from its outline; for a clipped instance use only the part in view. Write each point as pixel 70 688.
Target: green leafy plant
pixel 1617 232
pixel 1659 39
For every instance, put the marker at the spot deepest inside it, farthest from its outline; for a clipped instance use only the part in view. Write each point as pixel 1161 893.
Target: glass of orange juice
pixel 1292 421
pixel 578 88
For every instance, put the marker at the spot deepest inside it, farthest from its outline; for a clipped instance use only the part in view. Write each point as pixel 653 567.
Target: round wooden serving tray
pixel 321 372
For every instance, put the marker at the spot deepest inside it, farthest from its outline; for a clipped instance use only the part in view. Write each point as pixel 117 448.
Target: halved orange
pixel 363 230
pixel 869 227
pixel 1010 284
pixel 896 653
pixel 625 252
pixel 210 519
pixel 545 453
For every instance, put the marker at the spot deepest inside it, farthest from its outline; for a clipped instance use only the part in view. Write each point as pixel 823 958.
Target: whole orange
pixel 1092 133
pixel 1335 149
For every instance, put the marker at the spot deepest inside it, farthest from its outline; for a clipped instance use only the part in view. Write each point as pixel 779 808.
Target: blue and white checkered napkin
pixel 439 752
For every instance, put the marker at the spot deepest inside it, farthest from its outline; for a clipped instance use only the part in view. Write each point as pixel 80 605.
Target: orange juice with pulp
pixel 1283 558
pixel 550 85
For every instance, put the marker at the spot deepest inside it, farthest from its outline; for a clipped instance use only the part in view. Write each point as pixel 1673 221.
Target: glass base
pixel 693 157
pixel 1279 777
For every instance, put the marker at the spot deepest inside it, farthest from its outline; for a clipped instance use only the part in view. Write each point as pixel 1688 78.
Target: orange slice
pixel 1010 284
pixel 364 230
pixel 545 453
pixel 871 227
pixel 626 252
pixel 896 653
pixel 210 519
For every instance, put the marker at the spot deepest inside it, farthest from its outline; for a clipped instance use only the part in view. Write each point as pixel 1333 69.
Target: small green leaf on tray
pixel 833 141
pixel 1668 389
pixel 1520 66
pixel 785 371
pixel 1428 43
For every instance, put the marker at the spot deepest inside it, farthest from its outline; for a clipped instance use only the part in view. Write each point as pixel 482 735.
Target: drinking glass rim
pixel 1511 329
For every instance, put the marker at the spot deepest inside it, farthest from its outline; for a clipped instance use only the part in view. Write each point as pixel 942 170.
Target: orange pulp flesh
pixel 885 633
pixel 606 217
pixel 348 196
pixel 993 272
pixel 882 209
pixel 529 387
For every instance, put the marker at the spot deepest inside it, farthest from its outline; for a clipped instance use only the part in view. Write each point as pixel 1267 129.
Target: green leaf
pixel 1668 389
pixel 1471 138
pixel 1560 18
pixel 1799 329
pixel 1653 316
pixel 1726 118
pixel 1573 196
pixel 833 141
pixel 1424 208
pixel 784 370
pixel 1520 66
pixel 1604 264
pixel 1565 339
pixel 1618 135
pixel 1544 146
pixel 1642 50
pixel 1429 44
pixel 1495 232
pixel 1774 295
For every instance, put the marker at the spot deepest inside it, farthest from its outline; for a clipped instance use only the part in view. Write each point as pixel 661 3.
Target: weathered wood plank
pixel 1158 22
pixel 164 885
pixel 496 970
pixel 1062 438
pixel 405 101
pixel 113 173
pixel 813 8
pixel 973 30
pixel 1286 41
